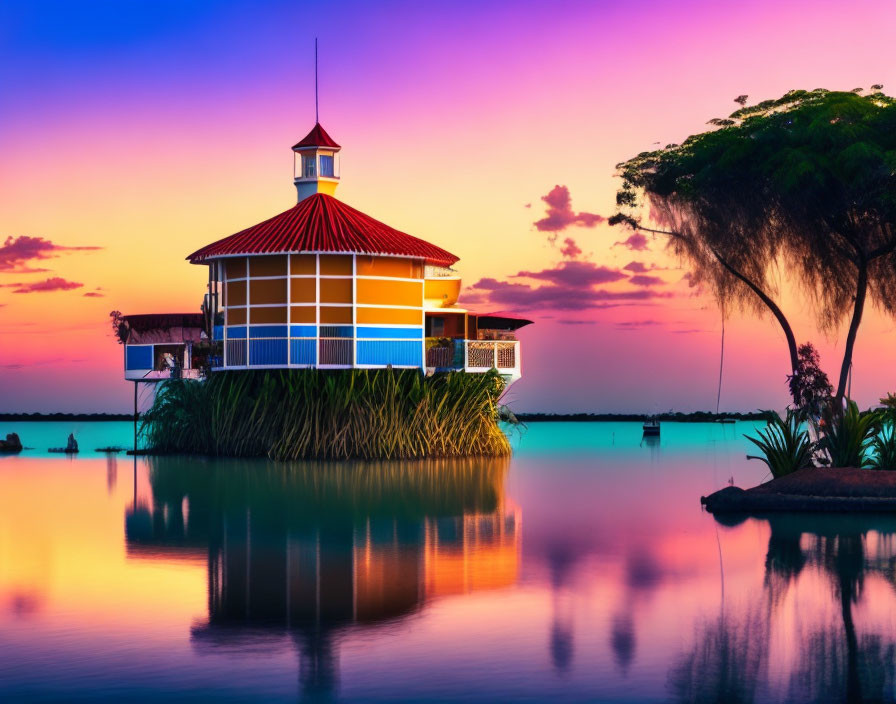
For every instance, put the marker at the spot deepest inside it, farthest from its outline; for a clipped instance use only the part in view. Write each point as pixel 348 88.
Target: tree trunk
pixel 858 308
pixel 771 305
pixel 763 296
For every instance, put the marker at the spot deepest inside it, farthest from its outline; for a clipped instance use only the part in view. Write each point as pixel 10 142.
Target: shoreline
pixel 842 489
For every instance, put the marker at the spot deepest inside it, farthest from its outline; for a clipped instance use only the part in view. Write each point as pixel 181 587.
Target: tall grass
pixel 290 414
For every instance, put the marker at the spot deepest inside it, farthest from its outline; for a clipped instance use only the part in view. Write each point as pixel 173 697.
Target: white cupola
pixel 316 166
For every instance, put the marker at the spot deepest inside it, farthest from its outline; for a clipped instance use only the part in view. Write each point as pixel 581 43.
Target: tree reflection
pixel 729 661
pixel 304 553
pixel 726 662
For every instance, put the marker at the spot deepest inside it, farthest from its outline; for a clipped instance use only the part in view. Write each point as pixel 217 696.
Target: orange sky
pixel 149 139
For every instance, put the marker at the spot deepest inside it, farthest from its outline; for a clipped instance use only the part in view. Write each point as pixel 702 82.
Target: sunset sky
pixel 133 133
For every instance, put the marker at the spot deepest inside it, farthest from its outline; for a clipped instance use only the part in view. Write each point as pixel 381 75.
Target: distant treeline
pixel 695 417
pixel 65 416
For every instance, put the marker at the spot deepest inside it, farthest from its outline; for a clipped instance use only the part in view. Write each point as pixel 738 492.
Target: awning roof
pixel 501 321
pixel 159 328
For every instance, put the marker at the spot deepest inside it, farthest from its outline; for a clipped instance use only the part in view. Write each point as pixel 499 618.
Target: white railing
pixel 158 375
pixel 438 272
pixel 476 355
pixel 485 354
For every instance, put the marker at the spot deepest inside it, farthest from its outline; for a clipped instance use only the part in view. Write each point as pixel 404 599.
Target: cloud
pixel 570 249
pixel 574 321
pixel 575 273
pixel 54 283
pixel 93 294
pixel 40 362
pixel 16 252
pixel 646 280
pixel 689 331
pixel 636 267
pixel 636 324
pixel 518 296
pixel 637 242
pixel 560 214
pixel 471 297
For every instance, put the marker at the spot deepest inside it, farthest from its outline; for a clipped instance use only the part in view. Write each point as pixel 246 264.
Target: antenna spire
pixel 316 112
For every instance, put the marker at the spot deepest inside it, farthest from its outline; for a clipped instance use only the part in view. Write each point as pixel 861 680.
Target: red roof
pixel 317 137
pixel 320 223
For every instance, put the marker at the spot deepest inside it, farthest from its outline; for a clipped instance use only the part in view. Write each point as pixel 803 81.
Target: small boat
pixel 727 420
pixel 651 427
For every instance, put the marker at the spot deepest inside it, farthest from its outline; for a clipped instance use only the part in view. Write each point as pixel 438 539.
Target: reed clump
pixel 288 414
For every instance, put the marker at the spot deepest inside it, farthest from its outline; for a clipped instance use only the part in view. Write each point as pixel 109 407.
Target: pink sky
pixel 152 131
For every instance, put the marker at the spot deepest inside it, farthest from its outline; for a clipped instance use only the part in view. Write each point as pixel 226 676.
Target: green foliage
pixel 806 180
pixel 890 402
pixel 848 435
pixel 119 326
pixel 804 184
pixel 809 385
pixel 299 414
pixel 784 443
pixel 883 447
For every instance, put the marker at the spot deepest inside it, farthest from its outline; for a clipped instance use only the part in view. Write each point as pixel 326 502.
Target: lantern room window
pixel 307 165
pixel 327 165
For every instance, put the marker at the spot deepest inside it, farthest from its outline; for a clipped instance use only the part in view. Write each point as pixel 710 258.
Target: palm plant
pixel 883 447
pixel 846 436
pixel 785 444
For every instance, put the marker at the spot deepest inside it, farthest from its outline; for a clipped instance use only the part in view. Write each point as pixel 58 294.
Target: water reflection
pixel 308 551
pixel 733 656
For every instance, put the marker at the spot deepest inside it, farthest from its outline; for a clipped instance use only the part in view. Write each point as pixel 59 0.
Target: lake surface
pixel 582 569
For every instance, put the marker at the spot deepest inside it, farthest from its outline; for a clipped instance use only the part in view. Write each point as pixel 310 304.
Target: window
pixel 437 327
pixel 327 167
pixel 308 165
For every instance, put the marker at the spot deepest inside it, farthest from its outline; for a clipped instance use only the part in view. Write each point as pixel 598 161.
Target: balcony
pixel 160 375
pixel 475 356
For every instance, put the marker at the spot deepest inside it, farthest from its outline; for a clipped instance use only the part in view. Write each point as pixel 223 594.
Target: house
pixel 323 285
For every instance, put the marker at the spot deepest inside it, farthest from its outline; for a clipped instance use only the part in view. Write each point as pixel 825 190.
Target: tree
pixel 809 385
pixel 804 184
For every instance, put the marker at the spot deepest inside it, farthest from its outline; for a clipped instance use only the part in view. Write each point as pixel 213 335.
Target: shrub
pixel 785 444
pixel 847 436
pixel 883 447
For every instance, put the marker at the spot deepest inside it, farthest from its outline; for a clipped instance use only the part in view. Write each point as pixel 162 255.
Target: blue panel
pixel 266 352
pixel 138 357
pixel 302 351
pixel 303 330
pixel 409 333
pixel 235 353
pixel 236 331
pixel 218 332
pixel 257 331
pixel 336 331
pixel 390 352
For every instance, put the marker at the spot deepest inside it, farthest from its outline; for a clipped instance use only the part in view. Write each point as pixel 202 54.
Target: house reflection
pixel 308 551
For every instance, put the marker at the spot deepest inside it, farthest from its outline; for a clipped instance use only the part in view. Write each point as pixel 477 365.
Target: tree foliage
pixel 803 185
pixel 809 385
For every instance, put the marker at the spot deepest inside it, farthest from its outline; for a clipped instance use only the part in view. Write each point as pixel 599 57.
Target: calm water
pixel 581 570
